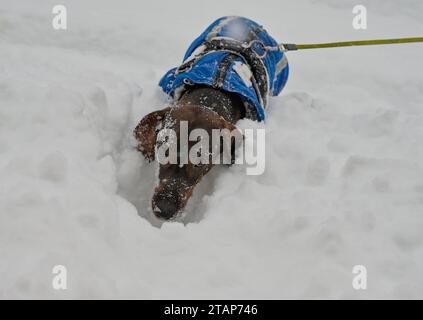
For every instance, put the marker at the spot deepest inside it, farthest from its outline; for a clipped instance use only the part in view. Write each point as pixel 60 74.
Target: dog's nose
pixel 165 209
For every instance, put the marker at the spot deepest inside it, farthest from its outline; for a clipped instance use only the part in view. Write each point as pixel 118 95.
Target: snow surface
pixel 344 177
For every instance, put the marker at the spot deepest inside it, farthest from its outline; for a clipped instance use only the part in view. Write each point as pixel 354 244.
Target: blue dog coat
pixel 230 55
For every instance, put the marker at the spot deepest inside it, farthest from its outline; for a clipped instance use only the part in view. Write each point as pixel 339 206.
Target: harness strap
pixel 223 70
pixel 247 51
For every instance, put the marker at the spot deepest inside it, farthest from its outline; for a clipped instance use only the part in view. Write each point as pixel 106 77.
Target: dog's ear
pixel 146 132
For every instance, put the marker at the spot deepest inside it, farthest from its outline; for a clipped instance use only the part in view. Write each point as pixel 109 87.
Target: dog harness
pixel 233 54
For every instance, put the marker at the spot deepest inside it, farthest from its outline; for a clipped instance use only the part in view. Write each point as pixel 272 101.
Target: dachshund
pixel 227 74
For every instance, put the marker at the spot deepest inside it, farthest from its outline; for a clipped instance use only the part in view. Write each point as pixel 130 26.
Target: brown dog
pixel 203 108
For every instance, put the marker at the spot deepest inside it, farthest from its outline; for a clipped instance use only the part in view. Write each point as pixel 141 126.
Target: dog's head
pixel 178 178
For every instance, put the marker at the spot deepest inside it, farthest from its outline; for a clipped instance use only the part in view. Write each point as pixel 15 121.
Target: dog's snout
pixel 166 205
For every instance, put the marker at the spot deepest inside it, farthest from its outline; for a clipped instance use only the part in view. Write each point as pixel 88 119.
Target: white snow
pixel 243 72
pixel 343 184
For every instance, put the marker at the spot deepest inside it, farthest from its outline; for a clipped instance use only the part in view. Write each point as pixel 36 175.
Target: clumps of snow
pixel 53 167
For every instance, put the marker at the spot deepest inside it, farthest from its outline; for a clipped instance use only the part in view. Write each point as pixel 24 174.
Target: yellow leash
pixel 292 47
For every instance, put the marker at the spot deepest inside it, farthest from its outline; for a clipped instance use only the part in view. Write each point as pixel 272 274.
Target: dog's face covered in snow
pixel 177 180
